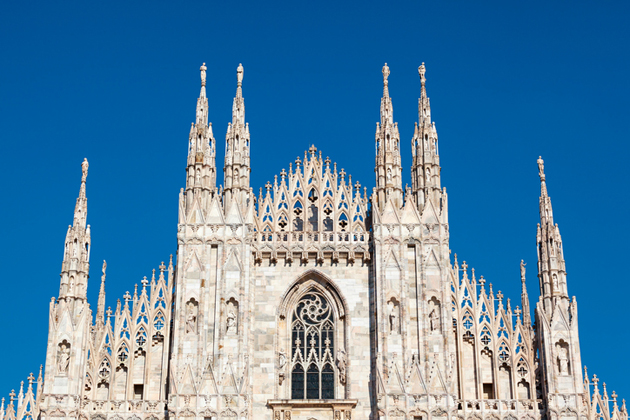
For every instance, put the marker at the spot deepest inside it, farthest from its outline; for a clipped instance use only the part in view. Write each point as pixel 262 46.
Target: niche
pixel 523 390
pixel 231 316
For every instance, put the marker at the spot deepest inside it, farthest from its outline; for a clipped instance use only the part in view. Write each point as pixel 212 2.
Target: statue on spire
pixel 422 71
pixel 239 74
pixel 84 169
pixel 385 74
pixel 523 264
pixel 203 69
pixel 541 168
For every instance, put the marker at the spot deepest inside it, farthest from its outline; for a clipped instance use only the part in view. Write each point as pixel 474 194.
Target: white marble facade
pixel 313 300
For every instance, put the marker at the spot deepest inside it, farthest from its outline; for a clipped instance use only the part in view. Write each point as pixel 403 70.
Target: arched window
pixel 312 348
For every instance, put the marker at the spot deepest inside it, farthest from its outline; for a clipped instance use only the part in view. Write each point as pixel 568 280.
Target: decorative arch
pixel 312 339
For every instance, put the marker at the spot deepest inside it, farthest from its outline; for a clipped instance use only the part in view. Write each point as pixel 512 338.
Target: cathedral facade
pixel 313 300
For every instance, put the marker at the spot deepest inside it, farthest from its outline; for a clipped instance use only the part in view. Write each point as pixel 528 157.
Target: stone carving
pixel 191 317
pixel 523 264
pixel 63 358
pixel 394 316
pixel 562 352
pixel 341 366
pixel 434 320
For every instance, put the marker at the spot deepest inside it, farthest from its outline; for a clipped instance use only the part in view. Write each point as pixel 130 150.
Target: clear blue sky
pixel 117 83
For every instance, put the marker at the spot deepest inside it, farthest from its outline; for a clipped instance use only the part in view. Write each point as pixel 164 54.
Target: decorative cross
pixel 312 150
pixel 613 395
pixel 464 266
pixel 144 280
pixel 12 395
pixel 297 163
pixel 522 371
pixel 122 356
pixel 327 162
pixel 140 340
pixel 503 356
pixel 104 372
pixel 467 324
pixel 162 267
pixel 482 281
pixel 127 297
pixel 357 186
pixel 268 186
pixel 485 340
pixel 283 174
pixel 342 174
pixel 500 295
pixel 109 311
pixel 517 311
pixel 31 378
pixel 327 342
pixel 595 380
pixel 159 324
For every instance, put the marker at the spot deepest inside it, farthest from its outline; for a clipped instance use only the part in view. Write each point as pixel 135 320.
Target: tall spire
pixel 387 167
pixel 237 164
pixel 425 169
pixel 76 260
pixel 551 265
pixel 100 312
pixel 201 167
pixel 524 297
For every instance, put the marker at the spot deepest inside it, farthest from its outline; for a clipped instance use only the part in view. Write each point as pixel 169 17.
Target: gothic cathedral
pixel 313 301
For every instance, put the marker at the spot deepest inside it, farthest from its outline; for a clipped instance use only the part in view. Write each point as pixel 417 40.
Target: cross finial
pixel 268 186
pixel 595 380
pixel 127 297
pixel 614 396
pixel 109 311
pixel 342 174
pixel 144 280
pixel 12 395
pixel 464 266
pixel 312 150
pixel 357 186
pixel 482 281
pixel 283 174
pixel 500 296
pixel 518 311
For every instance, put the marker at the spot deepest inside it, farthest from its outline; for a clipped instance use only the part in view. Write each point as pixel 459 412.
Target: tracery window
pixel 312 351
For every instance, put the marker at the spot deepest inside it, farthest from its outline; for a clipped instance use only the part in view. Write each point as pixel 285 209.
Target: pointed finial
pixel 385 82
pixel 31 379
pixel 203 69
pixel 127 297
pixel 144 282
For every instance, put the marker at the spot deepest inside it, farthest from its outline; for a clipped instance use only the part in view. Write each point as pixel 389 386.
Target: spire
pixel 201 167
pixel 100 312
pixel 524 297
pixel 237 164
pixel 387 168
pixel 425 169
pixel 76 262
pixel 551 265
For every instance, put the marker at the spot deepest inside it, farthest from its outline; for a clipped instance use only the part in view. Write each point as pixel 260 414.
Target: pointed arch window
pixel 312 348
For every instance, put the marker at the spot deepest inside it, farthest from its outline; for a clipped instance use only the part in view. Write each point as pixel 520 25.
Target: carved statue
pixel 563 360
pixel 231 322
pixel 555 282
pixel 541 167
pixel 389 175
pixel 434 320
pixel 341 365
pixel 203 69
pixel 63 359
pixel 385 72
pixel 282 359
pixel 84 168
pixel 523 264
pixel 239 74
pixel 393 318
pixel 191 319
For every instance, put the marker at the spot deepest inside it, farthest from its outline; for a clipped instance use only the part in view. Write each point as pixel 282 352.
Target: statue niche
pixel 63 358
pixel 562 358
pixel 393 307
pixel 231 316
pixel 192 308
pixel 434 316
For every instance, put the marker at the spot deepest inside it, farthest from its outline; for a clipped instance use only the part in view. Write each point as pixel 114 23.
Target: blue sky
pixel 117 83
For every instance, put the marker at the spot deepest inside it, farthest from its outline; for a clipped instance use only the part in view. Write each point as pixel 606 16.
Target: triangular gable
pixel 195 216
pixel 215 215
pixel 410 213
pixel 234 214
pixel 429 213
pixel 389 215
